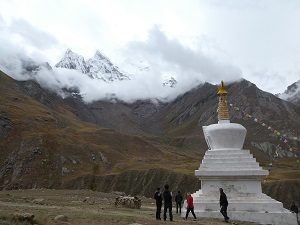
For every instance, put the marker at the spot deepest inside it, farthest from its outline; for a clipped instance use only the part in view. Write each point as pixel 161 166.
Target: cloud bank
pixel 149 64
pixel 187 64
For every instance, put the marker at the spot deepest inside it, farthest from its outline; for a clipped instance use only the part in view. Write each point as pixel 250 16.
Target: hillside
pixel 53 142
pixel 41 147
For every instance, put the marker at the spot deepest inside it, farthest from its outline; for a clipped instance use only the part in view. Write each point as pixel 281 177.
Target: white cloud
pixel 163 57
pixel 188 65
pixel 31 35
pixel 251 35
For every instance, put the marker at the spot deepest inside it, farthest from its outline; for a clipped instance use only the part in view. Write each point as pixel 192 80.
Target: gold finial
pixel 223 113
pixel 221 89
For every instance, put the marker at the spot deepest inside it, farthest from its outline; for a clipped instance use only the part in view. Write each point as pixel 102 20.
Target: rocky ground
pixel 80 207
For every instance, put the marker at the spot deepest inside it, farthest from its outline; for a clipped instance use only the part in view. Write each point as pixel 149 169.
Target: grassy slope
pixel 59 134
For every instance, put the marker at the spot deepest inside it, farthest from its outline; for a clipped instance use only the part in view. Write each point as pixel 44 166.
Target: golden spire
pixel 221 89
pixel 223 113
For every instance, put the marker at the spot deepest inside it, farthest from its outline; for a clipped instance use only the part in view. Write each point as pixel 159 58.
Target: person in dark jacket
pixel 223 205
pixel 294 209
pixel 167 196
pixel 190 206
pixel 158 199
pixel 178 200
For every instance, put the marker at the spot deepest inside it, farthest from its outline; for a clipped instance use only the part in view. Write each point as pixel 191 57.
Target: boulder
pixel 128 202
pixel 39 201
pixel 61 218
pixel 23 217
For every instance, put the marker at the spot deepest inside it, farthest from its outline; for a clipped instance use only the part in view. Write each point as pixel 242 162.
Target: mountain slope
pixel 54 142
pixel 42 147
pixel 182 119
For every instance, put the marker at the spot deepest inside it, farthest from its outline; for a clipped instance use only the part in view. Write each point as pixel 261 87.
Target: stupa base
pixel 259 208
pixel 274 218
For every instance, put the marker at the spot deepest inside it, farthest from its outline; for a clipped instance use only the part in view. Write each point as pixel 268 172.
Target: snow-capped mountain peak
pixel 97 67
pixel 171 82
pixel 72 60
pixel 292 93
pixel 100 55
pixel 100 67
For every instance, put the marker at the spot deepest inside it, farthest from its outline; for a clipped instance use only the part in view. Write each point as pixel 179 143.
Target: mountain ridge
pixel 49 141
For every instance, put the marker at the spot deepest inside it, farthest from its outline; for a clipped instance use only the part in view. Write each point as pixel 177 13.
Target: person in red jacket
pixel 190 206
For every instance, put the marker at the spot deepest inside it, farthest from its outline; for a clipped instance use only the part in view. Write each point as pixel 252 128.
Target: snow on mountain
pixel 72 60
pixel 292 93
pixel 97 67
pixel 100 67
pixel 170 82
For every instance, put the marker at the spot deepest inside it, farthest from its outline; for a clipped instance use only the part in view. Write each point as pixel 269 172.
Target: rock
pixel 89 200
pixel 119 193
pixel 129 202
pixel 25 217
pixel 86 199
pixel 62 218
pixel 64 170
pixel 39 201
pixel 3 222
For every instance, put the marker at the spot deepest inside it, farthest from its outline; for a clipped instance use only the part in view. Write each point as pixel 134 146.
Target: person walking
pixel 158 199
pixel 178 200
pixel 294 209
pixel 223 205
pixel 190 206
pixel 167 196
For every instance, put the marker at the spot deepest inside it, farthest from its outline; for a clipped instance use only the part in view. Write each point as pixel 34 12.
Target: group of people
pixel 166 196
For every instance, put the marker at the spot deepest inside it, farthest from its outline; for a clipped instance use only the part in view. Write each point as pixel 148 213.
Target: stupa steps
pixel 244 156
pixel 239 205
pixel 230 172
pixel 282 217
pixel 234 199
pixel 229 160
pixel 228 152
pixel 225 164
pixel 199 194
pixel 232 168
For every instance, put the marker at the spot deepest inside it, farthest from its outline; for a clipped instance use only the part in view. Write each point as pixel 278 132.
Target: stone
pixel 61 218
pixel 129 202
pixel 227 165
pixel 119 193
pixel 39 201
pixel 24 217
pixel 3 222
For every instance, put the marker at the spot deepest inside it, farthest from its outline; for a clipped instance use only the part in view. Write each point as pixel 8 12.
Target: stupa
pixel 227 165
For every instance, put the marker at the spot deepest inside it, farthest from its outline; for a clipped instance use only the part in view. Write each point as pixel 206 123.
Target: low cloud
pixel 189 65
pixel 31 35
pixel 152 62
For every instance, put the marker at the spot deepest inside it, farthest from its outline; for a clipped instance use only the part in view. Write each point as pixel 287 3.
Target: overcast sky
pixel 190 39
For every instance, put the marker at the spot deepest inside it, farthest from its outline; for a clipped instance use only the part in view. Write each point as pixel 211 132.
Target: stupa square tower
pixel 227 165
